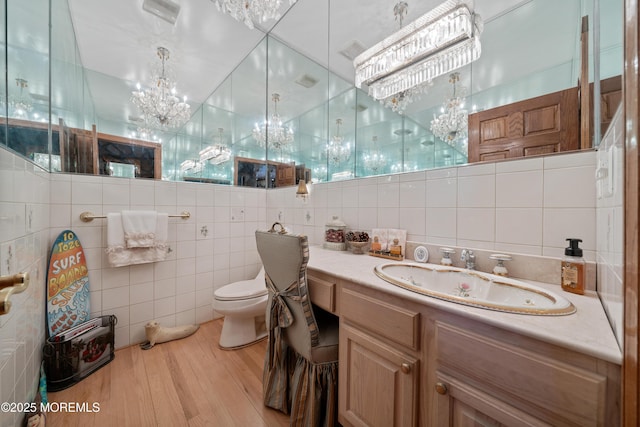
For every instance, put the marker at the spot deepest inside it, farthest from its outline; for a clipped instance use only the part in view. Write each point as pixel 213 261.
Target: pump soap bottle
pixel 573 266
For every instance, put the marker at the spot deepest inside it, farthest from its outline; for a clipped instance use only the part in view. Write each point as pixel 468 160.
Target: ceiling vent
pixel 360 108
pixel 306 80
pixel 354 49
pixel 164 9
pixel 400 132
pixel 38 97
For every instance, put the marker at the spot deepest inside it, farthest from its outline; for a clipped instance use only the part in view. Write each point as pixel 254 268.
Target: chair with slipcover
pixel 301 365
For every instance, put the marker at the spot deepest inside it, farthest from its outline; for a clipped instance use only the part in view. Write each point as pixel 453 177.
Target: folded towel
pixel 139 228
pixel 120 255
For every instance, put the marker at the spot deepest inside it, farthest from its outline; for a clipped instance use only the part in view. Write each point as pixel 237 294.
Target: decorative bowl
pixel 358 247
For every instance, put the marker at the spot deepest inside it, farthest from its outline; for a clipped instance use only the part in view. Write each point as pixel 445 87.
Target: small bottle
pixel 573 266
pixel 395 249
pixel 376 246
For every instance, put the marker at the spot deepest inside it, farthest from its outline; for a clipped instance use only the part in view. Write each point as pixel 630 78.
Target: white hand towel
pixel 139 228
pixel 115 233
pixel 120 255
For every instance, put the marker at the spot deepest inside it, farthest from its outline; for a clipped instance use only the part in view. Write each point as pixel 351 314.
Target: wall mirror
pixel 68 87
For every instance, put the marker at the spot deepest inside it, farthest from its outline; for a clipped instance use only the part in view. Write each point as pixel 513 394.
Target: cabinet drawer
pixel 322 293
pixel 569 393
pixel 394 323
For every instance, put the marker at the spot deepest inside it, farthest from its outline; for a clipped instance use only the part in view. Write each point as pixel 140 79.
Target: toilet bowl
pixel 243 305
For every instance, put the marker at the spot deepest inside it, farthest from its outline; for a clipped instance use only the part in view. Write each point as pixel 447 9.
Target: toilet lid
pixel 245 289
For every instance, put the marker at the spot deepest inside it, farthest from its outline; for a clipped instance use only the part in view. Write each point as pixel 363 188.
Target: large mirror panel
pixel 229 74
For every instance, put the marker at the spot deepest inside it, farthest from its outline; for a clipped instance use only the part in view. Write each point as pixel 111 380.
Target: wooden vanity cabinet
pixel 323 290
pixel 380 356
pixel 403 363
pixel 481 375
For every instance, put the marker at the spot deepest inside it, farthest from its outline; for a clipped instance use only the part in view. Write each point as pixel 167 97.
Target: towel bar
pixel 88 216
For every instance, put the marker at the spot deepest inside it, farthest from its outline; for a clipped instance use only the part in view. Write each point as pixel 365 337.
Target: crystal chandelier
pixel 272 132
pixel 217 153
pixel 191 166
pixel 451 125
pixel 398 102
pixel 441 41
pixel 374 161
pixel 159 105
pixel 20 107
pixel 337 151
pixel 251 11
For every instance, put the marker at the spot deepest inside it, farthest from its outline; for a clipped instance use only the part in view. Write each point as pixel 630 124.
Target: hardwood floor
pixel 188 382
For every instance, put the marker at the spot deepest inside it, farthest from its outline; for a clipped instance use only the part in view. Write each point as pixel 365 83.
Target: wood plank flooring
pixel 189 382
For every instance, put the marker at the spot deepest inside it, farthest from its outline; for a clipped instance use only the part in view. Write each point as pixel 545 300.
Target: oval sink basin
pixel 474 288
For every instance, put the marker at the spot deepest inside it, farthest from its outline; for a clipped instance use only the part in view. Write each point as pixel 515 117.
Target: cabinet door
pixel 460 405
pixel 378 384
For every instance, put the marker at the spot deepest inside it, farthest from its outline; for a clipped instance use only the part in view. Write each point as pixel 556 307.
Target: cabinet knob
pixel 406 368
pixel 441 388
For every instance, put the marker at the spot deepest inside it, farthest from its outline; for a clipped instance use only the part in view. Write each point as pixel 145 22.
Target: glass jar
pixel 334 232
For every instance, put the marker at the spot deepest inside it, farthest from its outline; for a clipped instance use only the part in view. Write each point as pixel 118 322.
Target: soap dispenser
pixel 573 267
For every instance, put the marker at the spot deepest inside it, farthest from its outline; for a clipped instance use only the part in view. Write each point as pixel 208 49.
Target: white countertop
pixel 587 330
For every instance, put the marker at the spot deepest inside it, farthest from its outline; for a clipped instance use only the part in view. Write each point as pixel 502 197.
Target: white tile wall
pixel 24 246
pixel 208 250
pixel 610 223
pixel 525 206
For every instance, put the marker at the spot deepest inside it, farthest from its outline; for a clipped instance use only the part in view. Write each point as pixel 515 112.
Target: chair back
pixel 284 257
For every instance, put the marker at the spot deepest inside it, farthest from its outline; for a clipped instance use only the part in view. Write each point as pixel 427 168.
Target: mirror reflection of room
pixel 529 93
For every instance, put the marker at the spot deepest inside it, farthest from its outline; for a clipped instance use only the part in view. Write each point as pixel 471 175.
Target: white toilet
pixel 243 305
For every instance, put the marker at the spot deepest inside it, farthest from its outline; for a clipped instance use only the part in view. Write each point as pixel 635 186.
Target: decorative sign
pixel 67 284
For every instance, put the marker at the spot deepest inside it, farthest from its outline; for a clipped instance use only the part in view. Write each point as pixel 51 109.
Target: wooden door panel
pixel 542 120
pixel 540 125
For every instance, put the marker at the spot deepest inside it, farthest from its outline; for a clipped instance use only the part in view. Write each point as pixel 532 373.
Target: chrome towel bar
pixel 88 216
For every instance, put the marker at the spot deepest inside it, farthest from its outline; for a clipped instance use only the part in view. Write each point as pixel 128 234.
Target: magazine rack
pixel 69 359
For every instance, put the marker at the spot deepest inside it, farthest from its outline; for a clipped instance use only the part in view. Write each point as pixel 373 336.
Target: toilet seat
pixel 243 290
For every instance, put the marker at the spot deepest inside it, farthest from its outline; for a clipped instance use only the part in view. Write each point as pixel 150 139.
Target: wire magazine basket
pixel 71 356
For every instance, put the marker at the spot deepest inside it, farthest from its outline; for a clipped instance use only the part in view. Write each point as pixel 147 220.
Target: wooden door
pixel 285 175
pixel 541 125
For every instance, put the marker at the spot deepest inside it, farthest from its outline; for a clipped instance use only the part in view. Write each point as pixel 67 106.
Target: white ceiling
pixel 117 38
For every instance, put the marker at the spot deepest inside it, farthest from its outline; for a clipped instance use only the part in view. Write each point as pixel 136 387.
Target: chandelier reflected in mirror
pixel 337 150
pixel 272 132
pixel 374 161
pixel 191 167
pixel 20 107
pixel 217 153
pixel 251 12
pixel 439 42
pixel 159 104
pixel 452 124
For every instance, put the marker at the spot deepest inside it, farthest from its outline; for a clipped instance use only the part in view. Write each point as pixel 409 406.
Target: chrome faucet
pixel 468 256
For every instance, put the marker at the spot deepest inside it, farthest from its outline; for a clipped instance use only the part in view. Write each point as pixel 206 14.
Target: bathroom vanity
pixel 411 360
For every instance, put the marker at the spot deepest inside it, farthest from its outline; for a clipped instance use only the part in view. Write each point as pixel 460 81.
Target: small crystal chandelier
pixel 21 107
pixel 374 161
pixel 272 132
pixel 439 42
pixel 217 153
pixel 251 11
pixel 191 166
pixel 159 105
pixel 337 151
pixel 452 124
